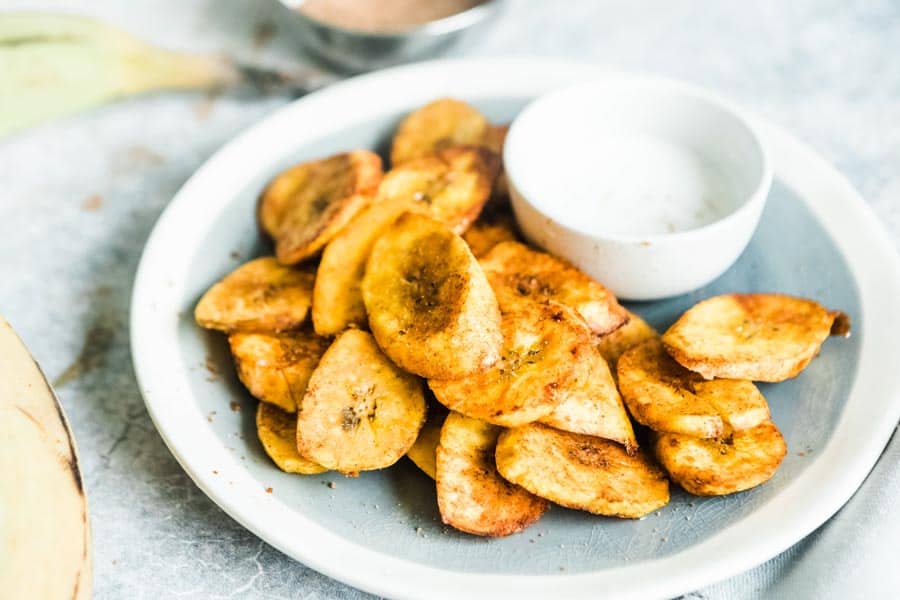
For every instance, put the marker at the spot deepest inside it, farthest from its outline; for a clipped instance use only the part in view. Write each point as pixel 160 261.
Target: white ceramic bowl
pixel 584 144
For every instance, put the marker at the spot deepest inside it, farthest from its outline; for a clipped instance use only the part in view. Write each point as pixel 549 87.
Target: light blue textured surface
pixel 826 69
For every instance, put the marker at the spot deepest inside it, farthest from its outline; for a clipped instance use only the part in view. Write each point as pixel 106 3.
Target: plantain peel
pixel 439 124
pixel 305 206
pixel 277 432
pixel 542 346
pixel 260 295
pixel 760 337
pixel 276 368
pixel 429 304
pixel 581 472
pixel 591 404
pixel 718 467
pixel 664 396
pixel 472 497
pixel 519 274
pixel 360 412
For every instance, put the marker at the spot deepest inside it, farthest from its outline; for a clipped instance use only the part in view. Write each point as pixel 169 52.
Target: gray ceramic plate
pixel 382 531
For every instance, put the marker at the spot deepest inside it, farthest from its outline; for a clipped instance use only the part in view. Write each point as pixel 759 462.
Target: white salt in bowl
pixel 651 186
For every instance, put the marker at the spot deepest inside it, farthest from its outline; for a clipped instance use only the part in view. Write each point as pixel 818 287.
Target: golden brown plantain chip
pixel 761 337
pixel 519 274
pixel 453 184
pixel 277 431
pixel 591 404
pixel 635 331
pixel 542 346
pixel 276 368
pixel 260 295
pixel 495 141
pixel 664 396
pixel 718 467
pixel 424 451
pixel 337 301
pixel 581 471
pixel 429 304
pixel 360 412
pixel 496 224
pixel 439 124
pixel 306 205
pixel 472 497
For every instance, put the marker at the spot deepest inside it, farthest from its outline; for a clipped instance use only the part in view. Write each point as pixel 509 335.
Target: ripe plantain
pixel 439 124
pixel 452 184
pixel 260 295
pixel 360 412
pixel 542 346
pixel 519 274
pixel 276 368
pixel 429 304
pixel 305 206
pixel 581 472
pixel 277 431
pixel 761 337
pixel 591 404
pixel 665 396
pixel 472 497
pixel 718 467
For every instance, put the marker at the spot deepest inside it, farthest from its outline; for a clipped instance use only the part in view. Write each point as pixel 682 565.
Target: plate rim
pixel 844 460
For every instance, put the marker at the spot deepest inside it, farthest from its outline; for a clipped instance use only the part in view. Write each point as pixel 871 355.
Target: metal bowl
pixel 356 50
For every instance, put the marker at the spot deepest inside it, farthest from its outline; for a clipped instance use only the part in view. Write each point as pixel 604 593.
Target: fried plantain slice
pixel 761 337
pixel 306 205
pixel 429 304
pixel 337 301
pixel 276 368
pixel 495 139
pixel 453 184
pixel 423 452
pixel 581 471
pixel 718 467
pixel 591 404
pixel 439 124
pixel 472 497
pixel 277 431
pixel 360 412
pixel 542 346
pixel 664 396
pixel 260 295
pixel 635 331
pixel 517 273
pixel 496 224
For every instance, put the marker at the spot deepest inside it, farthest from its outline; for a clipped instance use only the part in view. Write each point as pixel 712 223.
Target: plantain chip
pixel 519 274
pixel 496 224
pixel 542 346
pixel 761 337
pixel 423 452
pixel 472 497
pixel 612 345
pixel 360 412
pixel 665 396
pixel 718 467
pixel 260 295
pixel 277 431
pixel 337 301
pixel 306 205
pixel 591 404
pixel 429 304
pixel 453 184
pixel 276 368
pixel 581 472
pixel 439 124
